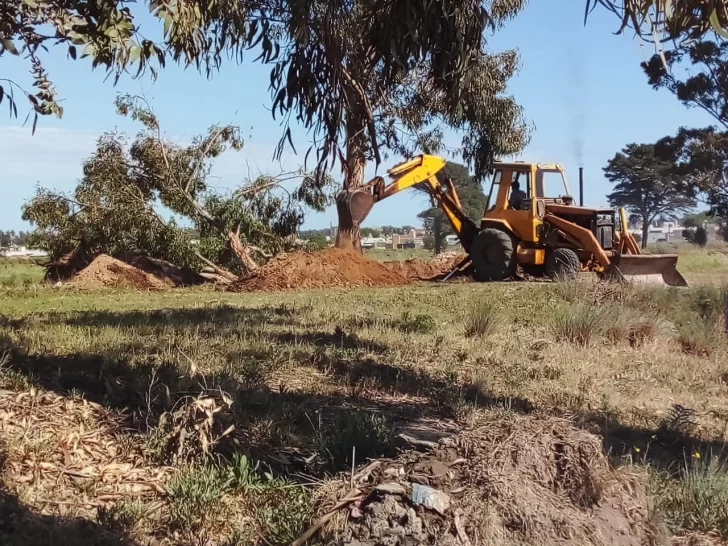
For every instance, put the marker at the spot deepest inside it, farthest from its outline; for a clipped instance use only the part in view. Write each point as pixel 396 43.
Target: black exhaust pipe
pixel 581 186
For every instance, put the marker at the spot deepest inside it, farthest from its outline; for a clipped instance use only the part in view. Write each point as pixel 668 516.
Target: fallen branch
pixel 462 535
pixel 224 273
pixel 417 442
pixel 352 496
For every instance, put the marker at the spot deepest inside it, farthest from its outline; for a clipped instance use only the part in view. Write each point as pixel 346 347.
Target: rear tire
pixel 493 254
pixel 562 264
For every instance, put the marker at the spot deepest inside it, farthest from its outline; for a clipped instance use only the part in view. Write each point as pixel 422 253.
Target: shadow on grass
pixel 178 317
pixel 338 339
pixel 267 419
pixel 22 526
pixel 663 447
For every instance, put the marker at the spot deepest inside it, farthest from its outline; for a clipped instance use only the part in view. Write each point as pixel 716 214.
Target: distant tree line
pixel 12 237
pixel 670 177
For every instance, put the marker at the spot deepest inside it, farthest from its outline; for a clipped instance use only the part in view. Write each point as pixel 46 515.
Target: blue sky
pixel 581 86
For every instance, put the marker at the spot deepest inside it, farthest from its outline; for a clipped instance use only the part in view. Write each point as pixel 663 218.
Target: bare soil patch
pixel 331 267
pixel 416 269
pixel 134 271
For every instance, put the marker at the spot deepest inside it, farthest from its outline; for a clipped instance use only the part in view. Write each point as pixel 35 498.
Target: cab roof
pixel 528 165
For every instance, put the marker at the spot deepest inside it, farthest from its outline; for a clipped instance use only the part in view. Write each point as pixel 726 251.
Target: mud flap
pixel 646 269
pixel 353 206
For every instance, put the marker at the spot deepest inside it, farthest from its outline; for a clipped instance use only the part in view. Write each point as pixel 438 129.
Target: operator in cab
pixel 517 196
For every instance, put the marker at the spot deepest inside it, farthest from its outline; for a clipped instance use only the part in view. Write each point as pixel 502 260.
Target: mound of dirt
pixel 508 480
pixel 330 267
pixel 105 271
pixel 416 269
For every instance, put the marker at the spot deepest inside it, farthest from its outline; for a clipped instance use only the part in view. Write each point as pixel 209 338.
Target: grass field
pixel 304 376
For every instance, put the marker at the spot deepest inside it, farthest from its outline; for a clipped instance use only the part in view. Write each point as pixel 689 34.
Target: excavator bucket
pixel 353 206
pixel 647 269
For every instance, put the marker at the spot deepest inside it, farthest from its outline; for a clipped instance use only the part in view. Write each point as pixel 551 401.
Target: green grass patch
pixel 697 499
pixel 581 324
pixel 17 273
pixel 482 319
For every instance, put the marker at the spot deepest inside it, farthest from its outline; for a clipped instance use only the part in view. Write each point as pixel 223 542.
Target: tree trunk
pixel 347 236
pixel 437 229
pixel 242 253
pixel 645 232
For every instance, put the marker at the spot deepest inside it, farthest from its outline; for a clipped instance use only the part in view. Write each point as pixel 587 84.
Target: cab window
pixel 497 176
pixel 524 185
pixel 550 184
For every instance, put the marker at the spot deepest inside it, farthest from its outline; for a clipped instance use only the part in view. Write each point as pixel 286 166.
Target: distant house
pixel 671 232
pixel 375 242
pixel 14 251
pixel 413 239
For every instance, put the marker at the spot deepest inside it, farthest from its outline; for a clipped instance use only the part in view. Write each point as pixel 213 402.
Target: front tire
pixel 562 264
pixel 493 254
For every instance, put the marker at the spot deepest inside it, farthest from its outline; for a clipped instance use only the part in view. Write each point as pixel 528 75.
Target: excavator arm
pixel 354 204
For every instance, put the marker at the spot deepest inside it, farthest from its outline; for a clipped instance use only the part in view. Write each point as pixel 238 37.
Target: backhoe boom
pixel 420 171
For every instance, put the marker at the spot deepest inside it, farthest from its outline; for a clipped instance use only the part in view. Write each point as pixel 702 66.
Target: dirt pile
pixel 105 271
pixel 132 270
pixel 513 480
pixel 416 269
pixel 331 267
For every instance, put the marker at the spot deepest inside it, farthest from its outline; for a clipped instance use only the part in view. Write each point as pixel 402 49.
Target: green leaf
pixel 2 93
pixel 167 24
pixel 72 52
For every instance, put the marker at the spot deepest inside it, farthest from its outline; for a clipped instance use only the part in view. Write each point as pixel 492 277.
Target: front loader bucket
pixel 353 206
pixel 647 269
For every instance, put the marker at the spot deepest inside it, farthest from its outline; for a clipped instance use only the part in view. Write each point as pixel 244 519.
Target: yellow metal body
pixel 545 209
pixel 422 170
pixel 524 222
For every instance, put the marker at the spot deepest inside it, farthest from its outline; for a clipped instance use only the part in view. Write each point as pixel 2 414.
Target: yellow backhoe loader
pixel 530 220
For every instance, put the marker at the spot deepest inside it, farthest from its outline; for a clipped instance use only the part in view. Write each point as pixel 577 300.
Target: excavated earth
pixel 334 267
pixel 134 271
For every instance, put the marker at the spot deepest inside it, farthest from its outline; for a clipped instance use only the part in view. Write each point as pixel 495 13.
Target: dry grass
pixel 299 379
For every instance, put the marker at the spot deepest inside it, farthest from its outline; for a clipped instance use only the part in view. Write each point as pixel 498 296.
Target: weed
pixel 284 513
pixel 122 517
pixel 367 432
pixel 634 328
pixel 581 324
pixel 709 302
pixel 482 319
pixel 243 475
pixel 196 499
pixel 696 338
pixel 697 500
pixel 420 323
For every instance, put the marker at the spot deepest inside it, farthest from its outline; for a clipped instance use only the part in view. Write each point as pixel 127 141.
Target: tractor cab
pixel 519 193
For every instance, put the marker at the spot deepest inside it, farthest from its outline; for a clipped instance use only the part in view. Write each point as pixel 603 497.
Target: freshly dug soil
pixel 416 269
pixel 105 271
pixel 330 267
